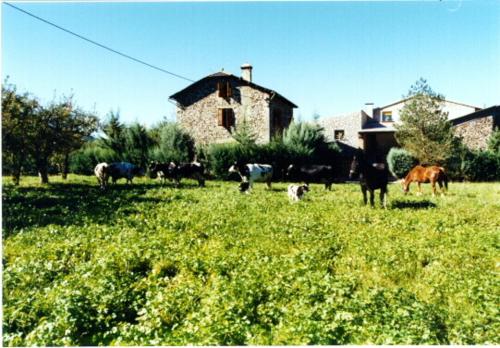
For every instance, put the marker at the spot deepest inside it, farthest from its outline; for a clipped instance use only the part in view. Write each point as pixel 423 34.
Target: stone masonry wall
pixel 200 118
pixel 475 133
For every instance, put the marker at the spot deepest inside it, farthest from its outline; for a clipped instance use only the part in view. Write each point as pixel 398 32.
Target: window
pixel 338 134
pixel 277 121
pixel 386 116
pixel 224 89
pixel 226 118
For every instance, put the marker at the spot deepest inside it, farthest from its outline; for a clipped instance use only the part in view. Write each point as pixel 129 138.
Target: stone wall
pixel 351 124
pixel 475 133
pixel 200 118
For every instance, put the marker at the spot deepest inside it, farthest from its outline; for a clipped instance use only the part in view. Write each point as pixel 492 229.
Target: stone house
pixel 212 108
pixel 372 128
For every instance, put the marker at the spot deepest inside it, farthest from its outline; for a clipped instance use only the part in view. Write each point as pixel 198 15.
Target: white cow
pixel 252 172
pixel 102 174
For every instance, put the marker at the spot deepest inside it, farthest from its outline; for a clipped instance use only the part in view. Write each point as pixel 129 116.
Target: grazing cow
pixel 160 170
pixel 296 192
pixel 102 174
pixel 311 173
pixel 125 170
pixel 252 172
pixel 430 174
pixel 372 176
pixel 194 170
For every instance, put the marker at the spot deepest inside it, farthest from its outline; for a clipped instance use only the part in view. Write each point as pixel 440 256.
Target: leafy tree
pixel 18 113
pixel 74 126
pixel 425 131
pixel 400 162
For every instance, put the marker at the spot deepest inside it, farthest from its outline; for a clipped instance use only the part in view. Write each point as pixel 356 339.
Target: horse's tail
pixel 445 178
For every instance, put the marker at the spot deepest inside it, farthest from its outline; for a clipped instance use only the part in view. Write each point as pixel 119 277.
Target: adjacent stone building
pixel 372 129
pixel 212 108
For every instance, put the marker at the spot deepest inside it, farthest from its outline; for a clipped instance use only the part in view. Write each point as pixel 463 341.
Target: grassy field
pixel 152 265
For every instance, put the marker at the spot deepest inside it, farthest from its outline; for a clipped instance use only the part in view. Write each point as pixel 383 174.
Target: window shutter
pixel 219 89
pixel 229 90
pixel 220 117
pixel 230 118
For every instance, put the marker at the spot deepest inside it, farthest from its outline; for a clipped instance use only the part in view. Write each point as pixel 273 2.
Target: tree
pixel 244 134
pixel 425 131
pixel 18 112
pixel 114 138
pixel 174 144
pixel 494 141
pixel 73 126
pixel 137 145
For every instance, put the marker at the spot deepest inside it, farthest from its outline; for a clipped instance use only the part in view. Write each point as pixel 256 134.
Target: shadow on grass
pixel 70 204
pixel 412 204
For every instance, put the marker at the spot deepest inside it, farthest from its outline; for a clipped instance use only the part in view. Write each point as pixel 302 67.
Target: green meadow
pixel 154 265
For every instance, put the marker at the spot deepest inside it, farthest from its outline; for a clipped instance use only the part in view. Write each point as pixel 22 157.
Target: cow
pixel 311 173
pixel 125 170
pixel 102 174
pixel 296 192
pixel 194 170
pixel 160 170
pixel 252 172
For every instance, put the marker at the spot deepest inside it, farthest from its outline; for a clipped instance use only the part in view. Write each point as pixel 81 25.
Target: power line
pixel 98 44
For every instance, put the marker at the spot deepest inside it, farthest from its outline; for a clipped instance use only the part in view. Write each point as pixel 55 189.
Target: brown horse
pixel 431 174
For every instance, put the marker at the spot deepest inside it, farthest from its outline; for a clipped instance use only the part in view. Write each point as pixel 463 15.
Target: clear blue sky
pixel 327 57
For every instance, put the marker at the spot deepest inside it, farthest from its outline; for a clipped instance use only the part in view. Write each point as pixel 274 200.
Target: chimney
pixel 246 72
pixel 368 109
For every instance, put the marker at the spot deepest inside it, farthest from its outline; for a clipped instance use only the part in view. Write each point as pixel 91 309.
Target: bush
pixel 222 156
pixel 175 144
pixel 400 162
pixel 84 160
pixel 482 166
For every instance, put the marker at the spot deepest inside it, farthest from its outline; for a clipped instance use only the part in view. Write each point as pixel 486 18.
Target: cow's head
pixel 290 171
pixel 244 186
pixel 137 171
pixel 235 168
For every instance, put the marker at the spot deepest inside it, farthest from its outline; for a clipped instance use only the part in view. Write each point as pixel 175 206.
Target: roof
pixel 491 111
pixel 448 101
pixel 179 95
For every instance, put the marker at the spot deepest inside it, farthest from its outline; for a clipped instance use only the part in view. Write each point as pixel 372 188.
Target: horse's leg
pixel 372 198
pixel 363 190
pixel 419 193
pixel 433 183
pixel 440 183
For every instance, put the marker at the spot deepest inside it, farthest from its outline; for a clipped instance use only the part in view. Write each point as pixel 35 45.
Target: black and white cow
pixel 125 170
pixel 194 170
pixel 102 174
pixel 160 170
pixel 252 172
pixel 176 172
pixel 311 173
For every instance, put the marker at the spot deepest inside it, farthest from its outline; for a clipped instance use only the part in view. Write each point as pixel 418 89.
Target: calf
pixel 125 170
pixel 296 192
pixel 311 173
pixel 194 170
pixel 102 174
pixel 253 173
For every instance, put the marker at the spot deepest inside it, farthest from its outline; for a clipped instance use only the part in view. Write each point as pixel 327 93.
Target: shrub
pixel 84 160
pixel 400 162
pixel 175 144
pixel 222 156
pixel 482 166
